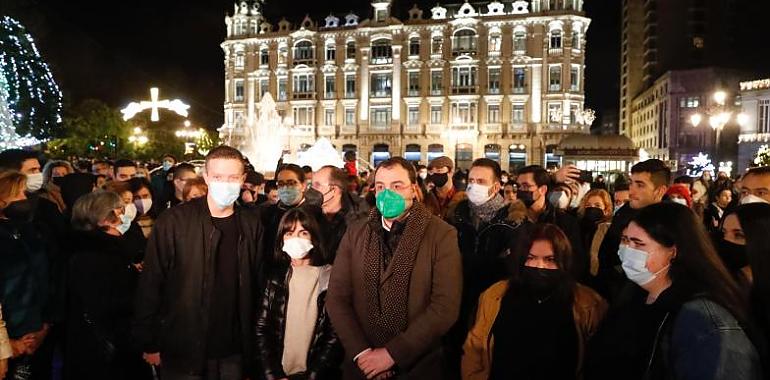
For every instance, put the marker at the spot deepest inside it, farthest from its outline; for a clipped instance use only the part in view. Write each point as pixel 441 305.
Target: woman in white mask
pixel 132 233
pixel 683 317
pixel 295 337
pixel 143 197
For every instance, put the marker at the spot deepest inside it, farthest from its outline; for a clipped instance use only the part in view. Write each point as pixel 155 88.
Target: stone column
pixel 363 109
pixel 396 91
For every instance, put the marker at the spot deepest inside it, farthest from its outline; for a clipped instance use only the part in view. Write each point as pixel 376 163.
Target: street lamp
pixel 719 115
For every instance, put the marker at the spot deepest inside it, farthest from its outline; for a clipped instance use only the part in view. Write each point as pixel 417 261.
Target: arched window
pixel 350 50
pixel 412 153
pixel 380 152
pixel 414 46
pixel 382 51
pixel 463 156
pixel 495 40
pixel 520 41
pixel 435 151
pixel 464 41
pixel 555 39
pixel 303 50
pixel 492 152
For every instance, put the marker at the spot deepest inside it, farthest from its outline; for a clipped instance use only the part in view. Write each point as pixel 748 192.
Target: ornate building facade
pixel 502 80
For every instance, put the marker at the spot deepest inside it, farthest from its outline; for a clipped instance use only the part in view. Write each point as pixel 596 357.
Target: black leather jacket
pixel 325 354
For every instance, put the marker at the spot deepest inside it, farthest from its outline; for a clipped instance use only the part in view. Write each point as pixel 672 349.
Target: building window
pixel 303 83
pixel 493 113
pixel 264 87
pixel 520 41
pixel 517 113
pixel 763 121
pixel 264 57
pixel 414 46
pixel 350 116
pixel 435 115
pixel 414 115
pixel 463 77
pixel 494 42
pixel 573 113
pixel 329 87
pixel 464 112
pixel 494 80
pixel 303 115
pixel 350 50
pixel 238 90
pixel 381 15
pixel 555 39
pixel 331 53
pixel 381 117
pixel 519 80
pixel 303 51
pixel 436 85
pixel 282 88
pixel 437 44
pixel 412 153
pixel 574 78
pixel 381 84
pixel 464 41
pixel 554 78
pixel 382 52
pixel 576 40
pixel 554 113
pixel 414 83
pixel 329 117
pixel 239 60
pixel 350 86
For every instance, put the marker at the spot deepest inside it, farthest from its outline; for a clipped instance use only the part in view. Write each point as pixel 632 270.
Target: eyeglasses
pixel 397 187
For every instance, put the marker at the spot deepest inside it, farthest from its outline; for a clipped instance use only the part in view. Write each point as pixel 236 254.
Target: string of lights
pixel 31 94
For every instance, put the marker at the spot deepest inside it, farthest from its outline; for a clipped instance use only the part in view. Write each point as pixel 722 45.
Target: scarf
pixel 388 313
pixel 486 211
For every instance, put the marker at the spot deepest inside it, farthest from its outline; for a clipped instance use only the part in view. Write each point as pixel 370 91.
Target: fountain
pixel 321 154
pixel 263 140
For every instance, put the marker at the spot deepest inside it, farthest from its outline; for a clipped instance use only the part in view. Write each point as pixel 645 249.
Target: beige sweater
pixel 301 316
pixel 5 344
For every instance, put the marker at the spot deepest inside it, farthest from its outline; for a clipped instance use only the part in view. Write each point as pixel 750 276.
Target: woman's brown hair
pixel 601 193
pixel 11 184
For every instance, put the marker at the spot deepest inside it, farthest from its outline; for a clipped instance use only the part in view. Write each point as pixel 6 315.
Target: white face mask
pixel 751 198
pixel 224 194
pixel 423 175
pixel 297 248
pixel 478 194
pixel 559 199
pixel 634 263
pixel 681 201
pixel 34 181
pixel 143 205
pixel 130 211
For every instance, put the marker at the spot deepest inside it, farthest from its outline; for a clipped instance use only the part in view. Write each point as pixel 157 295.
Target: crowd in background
pixel 213 271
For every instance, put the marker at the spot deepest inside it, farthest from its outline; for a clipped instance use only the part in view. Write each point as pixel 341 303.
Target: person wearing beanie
pixel 680 193
pixel 443 198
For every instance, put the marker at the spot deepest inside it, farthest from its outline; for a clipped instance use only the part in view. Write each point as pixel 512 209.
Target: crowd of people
pixel 110 271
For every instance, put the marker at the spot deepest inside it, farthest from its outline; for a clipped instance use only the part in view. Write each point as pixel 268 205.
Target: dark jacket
pixel 711 218
pixel 325 352
pixel 175 288
pixel 24 290
pixel 101 288
pixel 610 279
pixel 354 209
pixel 435 288
pixel 571 228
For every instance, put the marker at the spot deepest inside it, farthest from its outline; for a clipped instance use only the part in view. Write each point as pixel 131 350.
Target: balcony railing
pixel 382 60
pixel 350 95
pixel 519 90
pixel 303 95
pixel 437 91
pixel 493 90
pixel 380 93
pixel 555 51
pixel 464 90
pixel 413 92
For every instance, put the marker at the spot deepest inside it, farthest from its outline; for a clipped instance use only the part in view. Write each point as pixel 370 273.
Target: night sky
pixel 115 51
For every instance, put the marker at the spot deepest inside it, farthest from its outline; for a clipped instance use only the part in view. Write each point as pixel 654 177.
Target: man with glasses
pixel 396 285
pixel 291 193
pixel 340 208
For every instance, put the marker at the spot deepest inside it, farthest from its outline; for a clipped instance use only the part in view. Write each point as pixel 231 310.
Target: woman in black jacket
pixel 101 283
pixel 295 338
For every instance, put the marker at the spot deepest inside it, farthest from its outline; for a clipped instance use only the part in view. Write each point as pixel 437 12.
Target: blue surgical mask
pixel 289 196
pixel 224 194
pixel 125 224
pixel 634 263
pixel 167 165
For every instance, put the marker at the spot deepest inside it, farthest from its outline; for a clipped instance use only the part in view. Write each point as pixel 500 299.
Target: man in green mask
pixel 396 285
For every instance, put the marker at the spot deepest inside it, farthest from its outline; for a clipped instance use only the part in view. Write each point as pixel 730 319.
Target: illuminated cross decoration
pixel 154 104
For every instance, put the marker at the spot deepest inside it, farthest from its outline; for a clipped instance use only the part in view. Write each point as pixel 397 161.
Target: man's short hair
pixel 660 174
pixel 491 164
pixel 255 178
pixel 307 169
pixel 539 174
pixel 183 168
pixel 168 155
pixel 337 176
pixel 13 158
pixel 294 169
pixel 759 170
pixel 685 179
pixel 270 186
pixel 224 152
pixel 398 161
pixel 622 186
pixel 123 163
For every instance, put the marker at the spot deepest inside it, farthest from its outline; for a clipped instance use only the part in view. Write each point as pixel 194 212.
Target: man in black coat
pixel 195 306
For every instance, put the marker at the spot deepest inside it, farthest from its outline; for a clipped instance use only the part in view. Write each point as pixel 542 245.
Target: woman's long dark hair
pixel 696 268
pixel 307 216
pixel 562 253
pixel 755 223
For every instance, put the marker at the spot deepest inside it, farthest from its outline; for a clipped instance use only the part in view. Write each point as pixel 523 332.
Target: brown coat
pixel 434 300
pixel 588 309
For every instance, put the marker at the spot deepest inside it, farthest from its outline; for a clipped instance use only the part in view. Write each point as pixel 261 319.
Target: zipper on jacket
pixel 655 344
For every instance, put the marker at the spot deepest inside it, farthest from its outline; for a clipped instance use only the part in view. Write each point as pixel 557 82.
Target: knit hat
pixel 440 162
pixel 681 190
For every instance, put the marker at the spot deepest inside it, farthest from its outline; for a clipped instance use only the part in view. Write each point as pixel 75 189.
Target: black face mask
pixel 57 181
pixel 20 211
pixel 526 197
pixel 439 179
pixel 541 281
pixel 733 255
pixel 593 215
pixel 314 197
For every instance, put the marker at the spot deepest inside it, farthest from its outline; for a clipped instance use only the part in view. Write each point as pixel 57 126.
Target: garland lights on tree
pixel 28 91
pixel 699 164
pixel 763 156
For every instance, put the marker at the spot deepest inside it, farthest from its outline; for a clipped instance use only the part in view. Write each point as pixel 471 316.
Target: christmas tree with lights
pixel 30 100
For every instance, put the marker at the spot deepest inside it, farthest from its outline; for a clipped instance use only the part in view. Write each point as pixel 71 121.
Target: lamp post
pixel 718 116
